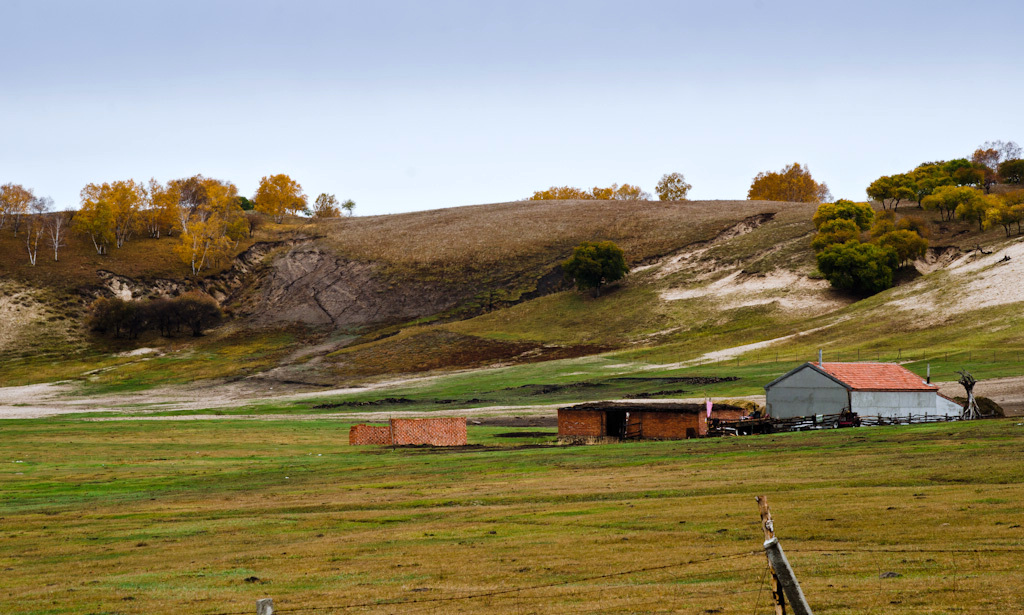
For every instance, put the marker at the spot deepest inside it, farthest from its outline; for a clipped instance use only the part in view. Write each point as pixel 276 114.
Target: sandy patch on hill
pixel 975 281
pixel 17 310
pixel 789 290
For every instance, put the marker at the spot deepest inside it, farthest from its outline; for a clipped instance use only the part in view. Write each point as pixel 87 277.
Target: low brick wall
pixel 436 432
pixel 402 432
pixel 361 435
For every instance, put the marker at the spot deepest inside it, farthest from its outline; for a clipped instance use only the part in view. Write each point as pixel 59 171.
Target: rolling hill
pixel 358 300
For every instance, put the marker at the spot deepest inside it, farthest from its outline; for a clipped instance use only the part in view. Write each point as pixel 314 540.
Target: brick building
pixel 615 421
pixel 405 432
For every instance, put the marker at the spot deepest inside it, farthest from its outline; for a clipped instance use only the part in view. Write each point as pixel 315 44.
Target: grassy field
pixel 206 517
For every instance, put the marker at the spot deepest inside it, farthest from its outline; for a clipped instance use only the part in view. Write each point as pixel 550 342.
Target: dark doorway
pixel 616 424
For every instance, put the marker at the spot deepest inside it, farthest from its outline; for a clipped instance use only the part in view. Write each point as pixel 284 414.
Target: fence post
pixel 787 579
pixel 265 606
pixel 769 534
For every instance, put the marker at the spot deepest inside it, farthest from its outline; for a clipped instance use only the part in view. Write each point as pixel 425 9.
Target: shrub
pixel 594 264
pixel 862 268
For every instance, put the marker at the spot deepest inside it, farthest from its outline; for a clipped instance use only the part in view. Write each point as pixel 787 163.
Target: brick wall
pixel 360 435
pixel 587 423
pixel 673 425
pixel 436 432
pixel 727 413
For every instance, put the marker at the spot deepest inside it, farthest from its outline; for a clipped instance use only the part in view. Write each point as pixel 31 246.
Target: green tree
pixel 907 244
pixel 947 199
pixel 1011 171
pixel 839 230
pixel 860 213
pixel 672 187
pixel 973 209
pixel 862 268
pixel 594 264
pixel 889 190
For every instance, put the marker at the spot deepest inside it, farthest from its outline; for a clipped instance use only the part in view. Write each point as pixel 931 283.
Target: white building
pixel 869 389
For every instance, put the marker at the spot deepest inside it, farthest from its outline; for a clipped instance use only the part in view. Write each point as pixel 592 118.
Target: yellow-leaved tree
pixel 123 199
pixel 278 195
pixel 794 183
pixel 14 202
pixel 160 211
pixel 212 226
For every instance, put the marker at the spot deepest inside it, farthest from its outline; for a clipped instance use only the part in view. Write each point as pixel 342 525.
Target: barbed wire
pixel 579 581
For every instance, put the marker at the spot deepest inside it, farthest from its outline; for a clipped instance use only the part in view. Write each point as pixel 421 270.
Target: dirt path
pixel 62 398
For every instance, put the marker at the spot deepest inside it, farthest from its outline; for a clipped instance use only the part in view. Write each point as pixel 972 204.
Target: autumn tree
pixel 885 222
pixel 908 245
pixel 278 195
pixel 160 210
pixel 95 219
pixel 561 193
pixel 838 230
pixel 615 192
pixel 672 187
pixel 14 203
pixel 1005 213
pixel 987 161
pixel 594 264
pixel 860 213
pixel 947 199
pixel 327 206
pixel 973 209
pixel 627 192
pixel 794 184
pixel 889 190
pixel 213 228
pixel 123 199
pixel 913 223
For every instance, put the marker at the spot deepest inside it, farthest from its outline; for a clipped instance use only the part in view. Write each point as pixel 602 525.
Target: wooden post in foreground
pixel 787 579
pixel 265 606
pixel 769 534
pixel 783 579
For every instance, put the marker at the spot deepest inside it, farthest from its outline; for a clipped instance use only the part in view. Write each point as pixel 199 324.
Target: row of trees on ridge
pixel 207 215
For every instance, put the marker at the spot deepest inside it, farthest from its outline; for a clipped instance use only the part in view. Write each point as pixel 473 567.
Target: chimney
pixel 929 380
pixel 819 357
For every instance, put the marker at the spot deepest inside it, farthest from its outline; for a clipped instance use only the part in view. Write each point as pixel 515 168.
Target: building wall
pixel 401 432
pixel 586 423
pixel 727 414
pixel 899 403
pixel 806 393
pixel 436 432
pixel 673 425
pixel 361 435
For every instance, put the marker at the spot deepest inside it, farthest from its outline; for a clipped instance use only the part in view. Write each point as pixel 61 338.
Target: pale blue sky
pixel 415 105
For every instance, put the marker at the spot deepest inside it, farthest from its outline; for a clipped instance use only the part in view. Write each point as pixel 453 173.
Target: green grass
pixel 161 517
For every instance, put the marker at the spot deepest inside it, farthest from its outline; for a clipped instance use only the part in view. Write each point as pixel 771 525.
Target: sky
pixel 405 106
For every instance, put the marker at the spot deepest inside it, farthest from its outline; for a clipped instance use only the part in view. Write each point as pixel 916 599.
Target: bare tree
pixel 971 410
pixel 57 224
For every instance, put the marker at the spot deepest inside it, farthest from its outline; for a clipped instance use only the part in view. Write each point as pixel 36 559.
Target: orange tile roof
pixel 876 377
